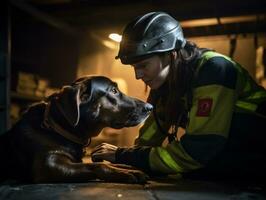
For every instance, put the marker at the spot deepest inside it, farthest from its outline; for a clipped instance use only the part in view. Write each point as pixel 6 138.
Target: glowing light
pixel 199 22
pixel 109 44
pixel 115 37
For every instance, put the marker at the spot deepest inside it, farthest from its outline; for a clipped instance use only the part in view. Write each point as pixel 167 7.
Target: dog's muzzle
pixel 140 115
pixel 147 108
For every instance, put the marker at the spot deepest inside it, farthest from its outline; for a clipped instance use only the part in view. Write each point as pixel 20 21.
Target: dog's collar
pixel 50 124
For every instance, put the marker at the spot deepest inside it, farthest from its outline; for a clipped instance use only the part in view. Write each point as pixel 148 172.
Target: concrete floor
pixel 163 189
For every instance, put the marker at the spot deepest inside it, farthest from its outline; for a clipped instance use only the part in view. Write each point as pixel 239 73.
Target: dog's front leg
pixel 60 168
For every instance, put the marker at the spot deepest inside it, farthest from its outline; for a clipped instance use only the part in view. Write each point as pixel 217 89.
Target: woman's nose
pixel 139 73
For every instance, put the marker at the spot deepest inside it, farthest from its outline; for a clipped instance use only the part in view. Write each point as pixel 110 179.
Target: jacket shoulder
pixel 215 68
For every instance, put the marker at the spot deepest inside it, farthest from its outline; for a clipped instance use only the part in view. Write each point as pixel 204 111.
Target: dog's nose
pixel 147 108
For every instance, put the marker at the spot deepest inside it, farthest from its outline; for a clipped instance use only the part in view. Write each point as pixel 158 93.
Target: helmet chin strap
pixel 184 43
pixel 172 136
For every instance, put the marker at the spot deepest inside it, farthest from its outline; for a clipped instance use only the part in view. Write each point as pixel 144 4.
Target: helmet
pixel 151 33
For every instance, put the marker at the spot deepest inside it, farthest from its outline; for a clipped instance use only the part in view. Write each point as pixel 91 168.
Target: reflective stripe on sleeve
pixel 172 159
pixel 246 106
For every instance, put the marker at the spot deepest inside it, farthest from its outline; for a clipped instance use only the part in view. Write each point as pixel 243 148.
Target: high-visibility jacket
pixel 221 89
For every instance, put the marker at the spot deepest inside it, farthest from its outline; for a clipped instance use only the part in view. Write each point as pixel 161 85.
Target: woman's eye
pixel 114 91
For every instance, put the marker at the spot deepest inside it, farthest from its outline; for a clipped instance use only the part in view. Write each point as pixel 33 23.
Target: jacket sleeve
pixel 158 160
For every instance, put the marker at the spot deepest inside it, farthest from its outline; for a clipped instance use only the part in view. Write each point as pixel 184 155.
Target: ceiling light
pixel 115 37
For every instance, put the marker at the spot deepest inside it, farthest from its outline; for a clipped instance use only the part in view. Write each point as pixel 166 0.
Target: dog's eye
pixel 114 91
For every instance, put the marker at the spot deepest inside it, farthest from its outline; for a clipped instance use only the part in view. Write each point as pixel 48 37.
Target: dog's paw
pixel 133 176
pixel 139 176
pixel 111 173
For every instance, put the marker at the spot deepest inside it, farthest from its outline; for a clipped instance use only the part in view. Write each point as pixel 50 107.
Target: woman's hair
pixel 180 77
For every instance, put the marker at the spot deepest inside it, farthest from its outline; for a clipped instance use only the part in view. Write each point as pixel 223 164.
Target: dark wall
pixel 42 49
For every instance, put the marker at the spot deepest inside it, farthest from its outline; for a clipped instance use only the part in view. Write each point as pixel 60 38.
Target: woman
pixel 211 96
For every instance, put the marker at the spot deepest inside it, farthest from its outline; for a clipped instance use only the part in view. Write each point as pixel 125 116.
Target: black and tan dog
pixel 46 144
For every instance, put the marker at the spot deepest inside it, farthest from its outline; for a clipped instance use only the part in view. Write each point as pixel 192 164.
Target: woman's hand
pixel 104 151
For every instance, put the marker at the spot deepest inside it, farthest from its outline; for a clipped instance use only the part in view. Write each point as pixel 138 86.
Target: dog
pixel 46 144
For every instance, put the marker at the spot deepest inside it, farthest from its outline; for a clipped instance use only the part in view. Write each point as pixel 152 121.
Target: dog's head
pixel 98 100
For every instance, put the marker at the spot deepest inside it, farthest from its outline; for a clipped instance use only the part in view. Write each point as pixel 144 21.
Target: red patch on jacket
pixel 204 107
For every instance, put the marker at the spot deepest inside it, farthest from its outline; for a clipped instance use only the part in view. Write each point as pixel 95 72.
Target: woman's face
pixel 153 71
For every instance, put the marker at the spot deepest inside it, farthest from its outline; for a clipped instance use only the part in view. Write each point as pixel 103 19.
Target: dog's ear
pixel 68 101
pixel 94 114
